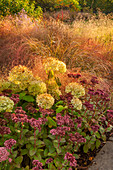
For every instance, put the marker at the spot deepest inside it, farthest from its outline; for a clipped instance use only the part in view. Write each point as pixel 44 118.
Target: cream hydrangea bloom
pixel 55 65
pixel 6 104
pixel 37 87
pixel 21 76
pixel 46 101
pixel 77 103
pixel 75 89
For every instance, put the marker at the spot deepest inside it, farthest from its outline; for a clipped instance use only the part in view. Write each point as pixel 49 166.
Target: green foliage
pixel 8 7
pixel 104 5
pixel 52 5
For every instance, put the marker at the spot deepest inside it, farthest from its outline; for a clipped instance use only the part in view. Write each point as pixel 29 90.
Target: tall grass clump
pixel 23 36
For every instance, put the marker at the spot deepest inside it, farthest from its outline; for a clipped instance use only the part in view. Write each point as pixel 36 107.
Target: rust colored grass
pixel 83 45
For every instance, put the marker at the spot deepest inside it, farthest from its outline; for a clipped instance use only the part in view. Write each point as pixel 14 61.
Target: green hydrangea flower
pixel 53 64
pixel 46 101
pixel 6 104
pixel 75 89
pixel 4 84
pixel 21 76
pixel 37 87
pixel 77 103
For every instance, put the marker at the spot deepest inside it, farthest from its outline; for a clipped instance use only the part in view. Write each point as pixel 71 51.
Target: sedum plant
pixel 40 132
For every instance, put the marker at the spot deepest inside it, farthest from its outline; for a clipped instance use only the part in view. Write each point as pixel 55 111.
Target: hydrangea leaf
pixel 28 98
pixel 51 122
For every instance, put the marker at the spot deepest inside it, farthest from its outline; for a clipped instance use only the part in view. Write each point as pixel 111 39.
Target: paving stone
pixel 111 138
pixel 104 159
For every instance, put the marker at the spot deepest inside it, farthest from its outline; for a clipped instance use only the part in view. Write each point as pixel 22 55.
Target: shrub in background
pixel 8 7
pixel 52 5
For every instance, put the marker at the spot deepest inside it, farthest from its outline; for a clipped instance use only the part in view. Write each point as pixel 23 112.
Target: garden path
pixel 104 159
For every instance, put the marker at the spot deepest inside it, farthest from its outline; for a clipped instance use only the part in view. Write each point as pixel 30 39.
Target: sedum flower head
pixel 76 89
pixel 55 65
pixel 20 75
pixel 6 104
pixel 4 154
pixel 37 87
pixel 45 100
pixel 76 103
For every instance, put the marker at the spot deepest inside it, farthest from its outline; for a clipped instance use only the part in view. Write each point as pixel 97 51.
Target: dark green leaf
pixel 28 98
pixel 24 151
pixel 59 102
pixel 92 147
pixel 57 162
pixel 55 143
pixel 24 131
pixel 109 129
pixel 51 122
pixel 52 154
pixel 76 156
pixel 46 152
pixel 98 143
pixel 104 137
pixel 19 159
pixel 32 151
pixel 59 109
pixel 38 156
pixel 97 134
pixel 85 148
pixel 21 95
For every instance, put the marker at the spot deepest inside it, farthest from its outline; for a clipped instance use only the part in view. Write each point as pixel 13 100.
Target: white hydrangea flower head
pixel 45 100
pixel 6 104
pixel 75 89
pixel 53 64
pixel 21 76
pixel 37 87
pixel 77 103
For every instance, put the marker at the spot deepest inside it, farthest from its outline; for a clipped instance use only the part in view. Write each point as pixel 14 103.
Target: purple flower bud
pixel 37 163
pixel 95 128
pixel 74 75
pixel 83 81
pixel 53 131
pixel 15 98
pixel 19 110
pixel 94 80
pixel 4 130
pixel 19 118
pixel 71 159
pixel 9 143
pixel 49 160
pixel 3 122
